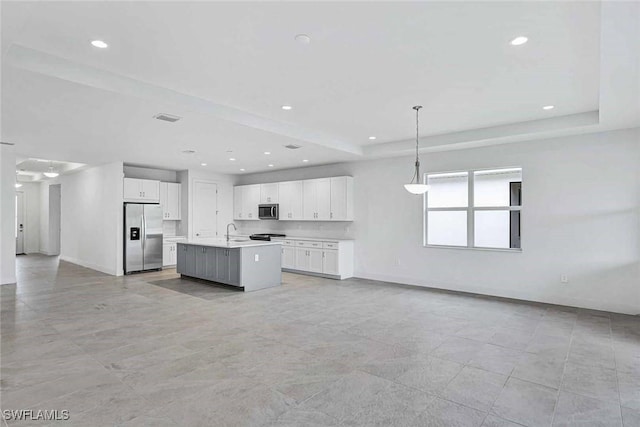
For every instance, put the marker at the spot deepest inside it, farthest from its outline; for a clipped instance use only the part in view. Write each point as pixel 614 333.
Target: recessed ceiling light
pixel 233 159
pixel 303 39
pixel 548 107
pixel 287 107
pixel 270 166
pixel 99 44
pixel 520 40
pixel 372 138
pixel 305 160
pixel 203 164
pixel 242 170
pixel 267 152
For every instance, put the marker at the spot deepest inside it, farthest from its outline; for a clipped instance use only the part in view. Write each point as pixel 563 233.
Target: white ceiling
pixel 32 170
pixel 228 67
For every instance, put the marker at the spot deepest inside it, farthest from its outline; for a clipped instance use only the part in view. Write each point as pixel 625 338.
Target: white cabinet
pixel 341 198
pixel 169 254
pixel 332 259
pixel 330 262
pixel 322 199
pixel 269 193
pixel 288 257
pixel 316 199
pixel 170 200
pixel 246 199
pixel 290 200
pixel 141 190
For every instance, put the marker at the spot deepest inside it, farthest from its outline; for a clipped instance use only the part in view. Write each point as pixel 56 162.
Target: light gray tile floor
pixel 157 350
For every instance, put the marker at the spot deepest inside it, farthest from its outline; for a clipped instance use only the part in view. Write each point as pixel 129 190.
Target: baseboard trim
pixel 562 302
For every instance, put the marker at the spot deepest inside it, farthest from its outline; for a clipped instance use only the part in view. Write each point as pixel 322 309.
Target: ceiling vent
pixel 292 146
pixel 167 117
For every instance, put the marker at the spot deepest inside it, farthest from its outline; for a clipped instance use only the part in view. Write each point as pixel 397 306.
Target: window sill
pixel 466 248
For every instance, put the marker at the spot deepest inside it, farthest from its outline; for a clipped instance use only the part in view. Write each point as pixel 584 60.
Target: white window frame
pixel 470 209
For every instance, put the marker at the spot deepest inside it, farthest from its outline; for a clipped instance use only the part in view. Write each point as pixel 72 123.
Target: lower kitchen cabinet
pixel 288 257
pixel 228 266
pixel 186 259
pixel 332 259
pixel 169 254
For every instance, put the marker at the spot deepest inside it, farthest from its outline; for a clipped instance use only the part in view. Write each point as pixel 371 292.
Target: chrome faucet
pixel 234 227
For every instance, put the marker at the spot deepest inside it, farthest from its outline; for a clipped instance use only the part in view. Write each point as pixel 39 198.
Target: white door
pixel 150 190
pixel 310 199
pixel 323 208
pixel 132 189
pixel 330 262
pixel 315 260
pixel 173 201
pixel 288 257
pixel 269 193
pixel 164 199
pixel 302 259
pixel 19 222
pixel 339 198
pixel 205 209
pixel 237 202
pixel 250 201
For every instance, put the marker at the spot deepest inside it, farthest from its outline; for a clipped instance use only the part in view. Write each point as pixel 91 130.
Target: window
pixel 474 209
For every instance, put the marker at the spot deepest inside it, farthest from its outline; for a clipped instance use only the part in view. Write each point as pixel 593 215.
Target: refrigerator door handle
pixel 144 234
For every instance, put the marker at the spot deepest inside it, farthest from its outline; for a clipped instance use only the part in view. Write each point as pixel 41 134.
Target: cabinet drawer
pixel 330 245
pixel 309 244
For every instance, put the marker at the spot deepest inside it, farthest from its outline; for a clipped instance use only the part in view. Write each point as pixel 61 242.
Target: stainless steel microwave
pixel 268 211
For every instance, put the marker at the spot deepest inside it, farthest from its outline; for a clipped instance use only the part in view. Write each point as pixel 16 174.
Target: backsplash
pixel 336 230
pixel 169 228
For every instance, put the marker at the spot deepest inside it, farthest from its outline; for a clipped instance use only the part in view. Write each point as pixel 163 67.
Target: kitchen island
pixel 247 264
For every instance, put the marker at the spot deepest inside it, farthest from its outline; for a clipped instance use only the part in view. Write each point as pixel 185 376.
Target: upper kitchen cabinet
pixel 316 202
pixel 170 200
pixel 341 198
pixel 141 190
pixel 246 199
pixel 269 193
pixel 290 200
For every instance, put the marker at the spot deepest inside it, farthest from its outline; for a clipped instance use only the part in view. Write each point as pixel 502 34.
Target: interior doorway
pixel 54 219
pixel 19 222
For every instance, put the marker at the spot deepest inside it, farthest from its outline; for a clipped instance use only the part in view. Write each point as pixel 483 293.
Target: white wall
pixel 47 246
pixel 7 215
pixel 149 173
pixel 92 218
pixel 580 218
pixel 31 191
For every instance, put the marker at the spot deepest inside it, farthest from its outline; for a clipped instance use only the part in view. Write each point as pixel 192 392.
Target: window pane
pixel 448 190
pixel 499 187
pixel 447 228
pixel 497 229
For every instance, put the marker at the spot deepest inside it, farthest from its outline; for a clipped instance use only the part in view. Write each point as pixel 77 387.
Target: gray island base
pixel 251 265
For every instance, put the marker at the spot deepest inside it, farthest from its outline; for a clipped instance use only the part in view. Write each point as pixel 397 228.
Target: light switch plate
pixel 257 257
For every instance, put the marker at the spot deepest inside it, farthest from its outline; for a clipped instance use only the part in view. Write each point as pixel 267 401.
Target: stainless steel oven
pixel 268 211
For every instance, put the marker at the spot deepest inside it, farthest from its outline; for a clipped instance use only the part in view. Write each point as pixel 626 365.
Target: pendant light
pixel 416 187
pixel 51 173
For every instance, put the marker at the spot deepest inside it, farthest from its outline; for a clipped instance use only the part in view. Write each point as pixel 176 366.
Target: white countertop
pixel 315 239
pixel 222 243
pixel 173 238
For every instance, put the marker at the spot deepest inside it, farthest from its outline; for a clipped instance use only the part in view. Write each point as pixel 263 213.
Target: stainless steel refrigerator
pixel 142 237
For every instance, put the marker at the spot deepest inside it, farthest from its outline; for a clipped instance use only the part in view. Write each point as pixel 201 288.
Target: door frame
pixel 20 206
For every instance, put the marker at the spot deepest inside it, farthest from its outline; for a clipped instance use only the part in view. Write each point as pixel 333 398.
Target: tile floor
pixel 155 350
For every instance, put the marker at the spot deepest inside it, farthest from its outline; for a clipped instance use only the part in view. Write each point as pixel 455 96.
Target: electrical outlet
pixel 257 257
pixel 564 278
